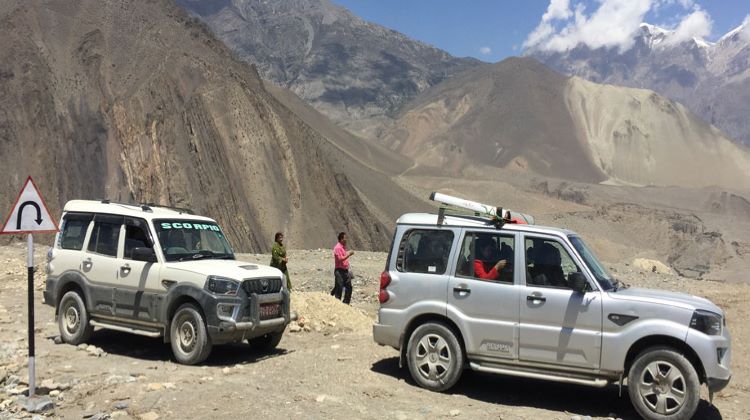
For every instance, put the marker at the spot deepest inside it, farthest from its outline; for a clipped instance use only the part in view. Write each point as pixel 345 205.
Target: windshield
pixel 602 275
pixel 185 240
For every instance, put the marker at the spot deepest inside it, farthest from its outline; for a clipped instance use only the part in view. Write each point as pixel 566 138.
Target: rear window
pixel 424 251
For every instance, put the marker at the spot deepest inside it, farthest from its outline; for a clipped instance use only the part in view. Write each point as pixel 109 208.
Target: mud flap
pixel 620 385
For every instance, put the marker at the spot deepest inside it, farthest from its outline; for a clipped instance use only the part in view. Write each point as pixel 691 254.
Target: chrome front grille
pixel 262 286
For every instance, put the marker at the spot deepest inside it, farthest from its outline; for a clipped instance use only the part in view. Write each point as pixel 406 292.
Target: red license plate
pixel 270 310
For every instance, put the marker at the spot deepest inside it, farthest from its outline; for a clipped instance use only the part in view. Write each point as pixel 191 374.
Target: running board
pixel 131 330
pixel 526 373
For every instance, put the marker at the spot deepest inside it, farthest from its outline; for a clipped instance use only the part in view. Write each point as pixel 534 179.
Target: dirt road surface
pixel 330 368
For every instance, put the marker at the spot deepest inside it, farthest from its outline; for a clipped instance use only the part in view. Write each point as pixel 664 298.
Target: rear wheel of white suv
pixel 662 385
pixel 435 356
pixel 73 319
pixel 188 335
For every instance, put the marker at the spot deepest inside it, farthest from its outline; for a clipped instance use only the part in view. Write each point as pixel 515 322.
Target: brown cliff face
pixel 137 102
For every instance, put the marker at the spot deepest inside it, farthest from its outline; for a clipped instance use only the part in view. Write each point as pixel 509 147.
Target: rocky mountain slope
pixel 711 79
pixel 519 114
pixel 137 101
pixel 353 71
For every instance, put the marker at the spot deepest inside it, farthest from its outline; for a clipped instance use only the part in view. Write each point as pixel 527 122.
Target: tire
pixel 73 319
pixel 265 343
pixel 662 385
pixel 189 336
pixel 435 357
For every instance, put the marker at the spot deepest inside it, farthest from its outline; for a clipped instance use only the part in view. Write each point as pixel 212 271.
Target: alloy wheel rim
pixel 187 335
pixel 72 319
pixel 662 387
pixel 433 357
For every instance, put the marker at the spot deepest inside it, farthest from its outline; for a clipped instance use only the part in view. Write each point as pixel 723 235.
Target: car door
pixel 100 262
pixel 138 293
pixel 557 325
pixel 483 302
pixel 421 267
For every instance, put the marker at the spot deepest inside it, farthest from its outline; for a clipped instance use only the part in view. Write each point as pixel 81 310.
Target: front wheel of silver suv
pixel 663 385
pixel 435 357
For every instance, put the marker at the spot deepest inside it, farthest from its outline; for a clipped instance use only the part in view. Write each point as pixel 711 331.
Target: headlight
pixel 706 322
pixel 222 285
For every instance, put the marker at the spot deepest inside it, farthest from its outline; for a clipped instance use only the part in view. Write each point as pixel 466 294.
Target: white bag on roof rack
pixel 484 210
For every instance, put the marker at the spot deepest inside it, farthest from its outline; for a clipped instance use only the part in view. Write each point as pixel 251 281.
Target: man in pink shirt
pixel 342 279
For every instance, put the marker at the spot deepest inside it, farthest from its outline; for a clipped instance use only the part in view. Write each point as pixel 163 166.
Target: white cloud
pixel 745 32
pixel 485 50
pixel 613 24
pixel 695 25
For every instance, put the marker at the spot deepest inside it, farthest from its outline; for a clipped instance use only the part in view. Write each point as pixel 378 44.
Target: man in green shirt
pixel 279 258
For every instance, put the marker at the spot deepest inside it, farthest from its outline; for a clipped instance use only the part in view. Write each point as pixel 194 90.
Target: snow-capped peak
pixel 736 31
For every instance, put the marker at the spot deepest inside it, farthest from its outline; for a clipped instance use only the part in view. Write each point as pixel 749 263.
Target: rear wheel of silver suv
pixel 188 335
pixel 73 319
pixel 662 385
pixel 435 357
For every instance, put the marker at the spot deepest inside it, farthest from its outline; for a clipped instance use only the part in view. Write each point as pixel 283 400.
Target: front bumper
pixel 245 321
pixel 715 353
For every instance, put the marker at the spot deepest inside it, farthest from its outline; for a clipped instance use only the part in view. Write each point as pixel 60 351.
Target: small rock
pixel 82 346
pixel 100 416
pixel 38 404
pixel 335 347
pixel 320 398
pixel 226 371
pixel 57 340
pixel 455 413
pixel 121 405
pixel 168 385
pixel 119 413
pixel 307 328
pixel 154 387
pixel 294 328
pixel 148 416
pixel 576 418
pixel 54 393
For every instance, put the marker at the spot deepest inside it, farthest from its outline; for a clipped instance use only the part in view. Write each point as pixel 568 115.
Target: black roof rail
pixel 147 206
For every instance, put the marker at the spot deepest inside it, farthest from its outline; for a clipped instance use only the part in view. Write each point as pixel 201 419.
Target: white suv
pixel 533 301
pixel 160 272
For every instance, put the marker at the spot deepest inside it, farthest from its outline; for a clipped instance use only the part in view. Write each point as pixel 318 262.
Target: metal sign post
pixel 20 221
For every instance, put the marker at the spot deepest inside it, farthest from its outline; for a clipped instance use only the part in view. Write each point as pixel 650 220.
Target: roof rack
pixel 496 215
pixel 147 207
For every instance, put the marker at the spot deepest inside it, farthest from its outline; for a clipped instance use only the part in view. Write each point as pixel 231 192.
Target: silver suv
pixel 532 301
pixel 160 272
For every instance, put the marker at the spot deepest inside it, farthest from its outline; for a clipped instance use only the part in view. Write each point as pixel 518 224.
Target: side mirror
pixel 141 253
pixel 578 282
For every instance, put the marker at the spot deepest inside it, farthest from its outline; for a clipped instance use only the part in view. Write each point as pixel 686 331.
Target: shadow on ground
pixel 154 349
pixel 521 392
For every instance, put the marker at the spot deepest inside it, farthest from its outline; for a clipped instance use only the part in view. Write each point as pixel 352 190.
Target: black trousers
pixel 342 284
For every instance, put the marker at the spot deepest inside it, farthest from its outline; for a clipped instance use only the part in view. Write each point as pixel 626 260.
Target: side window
pixel 73 231
pixel 104 238
pixel 424 251
pixel 136 235
pixel 486 256
pixel 548 263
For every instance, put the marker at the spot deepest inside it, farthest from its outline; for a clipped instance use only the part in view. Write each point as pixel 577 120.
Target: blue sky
pixel 494 29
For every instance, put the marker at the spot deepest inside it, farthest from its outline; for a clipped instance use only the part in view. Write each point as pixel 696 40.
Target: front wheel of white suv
pixel 435 357
pixel 73 319
pixel 188 335
pixel 663 385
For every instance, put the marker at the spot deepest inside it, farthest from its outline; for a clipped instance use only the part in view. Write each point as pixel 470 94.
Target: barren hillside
pixel 518 114
pixel 136 101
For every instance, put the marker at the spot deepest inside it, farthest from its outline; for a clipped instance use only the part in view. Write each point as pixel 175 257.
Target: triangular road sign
pixel 30 214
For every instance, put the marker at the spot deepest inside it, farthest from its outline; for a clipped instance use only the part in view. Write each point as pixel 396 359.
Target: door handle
pixel 536 298
pixel 125 268
pixel 87 261
pixel 460 289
